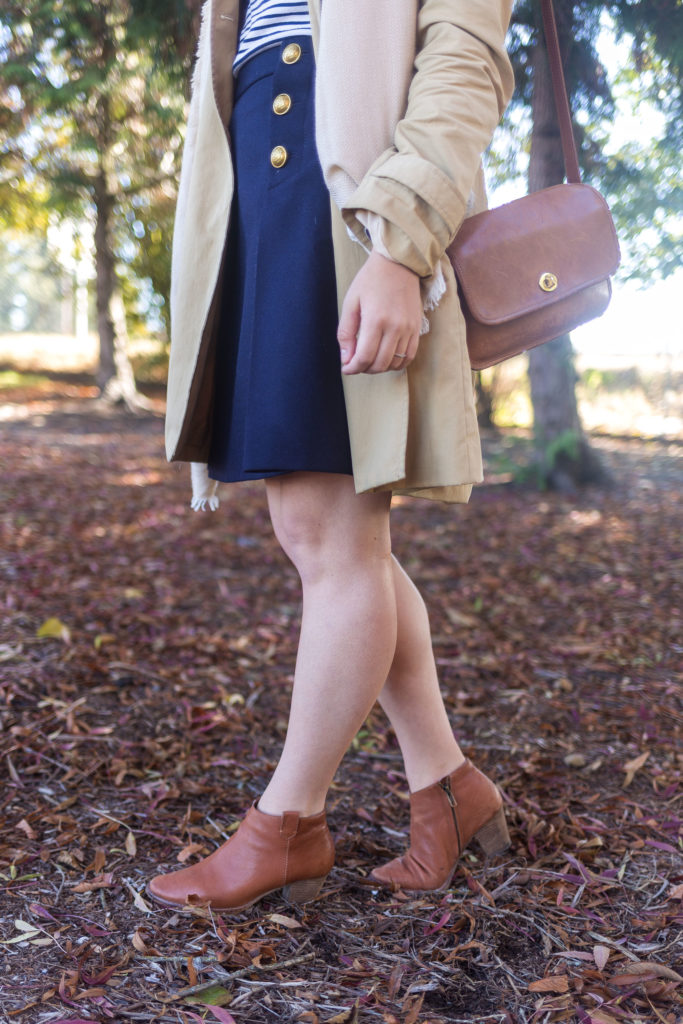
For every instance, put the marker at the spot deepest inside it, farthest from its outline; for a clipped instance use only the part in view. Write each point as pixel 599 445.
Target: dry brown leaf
pixel 414 1011
pixel 601 955
pixel 131 845
pixel 600 1017
pixel 138 942
pixel 103 881
pixel 286 922
pixel 138 900
pixel 554 983
pixel 576 760
pixel 676 893
pixel 189 850
pixel 650 967
pixel 631 767
pixel 345 1017
pixel 24 826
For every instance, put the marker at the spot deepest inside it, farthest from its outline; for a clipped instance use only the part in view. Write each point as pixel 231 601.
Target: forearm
pixel 420 187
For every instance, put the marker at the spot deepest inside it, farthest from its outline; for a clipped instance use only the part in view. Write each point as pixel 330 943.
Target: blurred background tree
pixel 642 182
pixel 92 128
pixel 92 110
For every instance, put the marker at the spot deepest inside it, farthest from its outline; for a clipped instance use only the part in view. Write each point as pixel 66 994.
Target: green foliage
pixel 538 472
pixel 29 283
pixel 94 112
pixel 640 177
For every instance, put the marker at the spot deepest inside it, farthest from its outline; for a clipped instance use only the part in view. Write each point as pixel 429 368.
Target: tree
pixel 96 122
pixel 636 187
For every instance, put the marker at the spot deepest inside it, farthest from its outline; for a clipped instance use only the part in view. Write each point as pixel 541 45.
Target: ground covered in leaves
pixel 145 663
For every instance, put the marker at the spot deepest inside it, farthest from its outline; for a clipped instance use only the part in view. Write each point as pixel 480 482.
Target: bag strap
pixel 564 116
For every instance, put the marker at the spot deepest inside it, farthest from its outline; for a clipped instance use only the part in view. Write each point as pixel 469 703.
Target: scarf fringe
pixel 203 488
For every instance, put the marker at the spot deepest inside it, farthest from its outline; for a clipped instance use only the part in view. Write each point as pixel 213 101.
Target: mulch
pixel 146 656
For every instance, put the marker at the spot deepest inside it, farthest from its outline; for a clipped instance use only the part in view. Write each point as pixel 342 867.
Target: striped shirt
pixel 267 22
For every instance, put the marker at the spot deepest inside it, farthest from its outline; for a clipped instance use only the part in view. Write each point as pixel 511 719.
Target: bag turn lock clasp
pixel 548 281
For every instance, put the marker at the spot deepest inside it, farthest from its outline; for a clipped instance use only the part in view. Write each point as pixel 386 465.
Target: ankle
pixel 426 775
pixel 273 804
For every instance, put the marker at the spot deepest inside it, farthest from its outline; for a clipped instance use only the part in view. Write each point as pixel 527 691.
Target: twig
pixel 138 670
pixel 225 976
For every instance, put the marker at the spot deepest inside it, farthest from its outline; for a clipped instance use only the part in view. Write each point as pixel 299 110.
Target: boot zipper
pixel 445 785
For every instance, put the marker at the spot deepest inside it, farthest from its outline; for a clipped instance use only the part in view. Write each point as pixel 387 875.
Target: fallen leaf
pixel 138 942
pixel 27 931
pixel 676 893
pixel 349 1016
pixel 414 1010
pixel 138 900
pixel 214 996
pixel 631 767
pixel 220 1014
pixel 24 926
pixel 54 629
pixel 103 881
pixel 286 922
pixel 601 956
pixel 554 983
pixel 600 1017
pixel 650 967
pixel 26 828
pixel 460 619
pixel 189 850
pixel 131 845
pixel 576 760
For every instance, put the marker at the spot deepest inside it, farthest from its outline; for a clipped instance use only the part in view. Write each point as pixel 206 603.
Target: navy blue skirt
pixel 279 404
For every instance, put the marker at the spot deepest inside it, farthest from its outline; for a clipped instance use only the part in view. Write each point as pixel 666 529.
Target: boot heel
pixel 302 892
pixel 494 837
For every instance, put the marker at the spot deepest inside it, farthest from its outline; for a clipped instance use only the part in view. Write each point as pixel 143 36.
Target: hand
pixel 381 317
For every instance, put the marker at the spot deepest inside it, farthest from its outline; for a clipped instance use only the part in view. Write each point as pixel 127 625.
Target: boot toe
pixel 171 890
pixel 393 875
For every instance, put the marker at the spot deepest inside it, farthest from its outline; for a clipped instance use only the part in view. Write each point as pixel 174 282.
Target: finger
pixel 367 346
pixel 405 353
pixel 349 326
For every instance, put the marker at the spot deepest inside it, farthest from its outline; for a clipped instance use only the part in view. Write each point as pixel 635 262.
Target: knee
pixel 300 531
pixel 323 529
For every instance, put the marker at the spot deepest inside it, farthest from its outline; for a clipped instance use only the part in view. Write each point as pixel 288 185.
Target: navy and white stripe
pixel 267 22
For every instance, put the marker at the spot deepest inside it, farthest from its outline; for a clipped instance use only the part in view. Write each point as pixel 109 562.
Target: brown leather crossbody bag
pixel 539 266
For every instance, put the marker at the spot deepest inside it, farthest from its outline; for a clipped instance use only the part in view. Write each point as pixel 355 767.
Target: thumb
pixel 349 325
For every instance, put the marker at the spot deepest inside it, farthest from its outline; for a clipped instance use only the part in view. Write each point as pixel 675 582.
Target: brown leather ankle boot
pixel 268 852
pixel 444 817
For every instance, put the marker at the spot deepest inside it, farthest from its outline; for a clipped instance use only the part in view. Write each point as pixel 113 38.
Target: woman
pixel 407 95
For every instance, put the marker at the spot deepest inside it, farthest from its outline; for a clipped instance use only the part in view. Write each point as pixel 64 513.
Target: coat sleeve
pixel 462 83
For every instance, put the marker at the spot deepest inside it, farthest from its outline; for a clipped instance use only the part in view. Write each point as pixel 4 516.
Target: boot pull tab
pixel 289 824
pixel 445 785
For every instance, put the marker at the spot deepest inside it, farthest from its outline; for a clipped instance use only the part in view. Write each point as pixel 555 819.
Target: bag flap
pixel 534 251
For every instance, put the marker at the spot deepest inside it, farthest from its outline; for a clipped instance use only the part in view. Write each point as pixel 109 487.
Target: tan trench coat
pixel 414 431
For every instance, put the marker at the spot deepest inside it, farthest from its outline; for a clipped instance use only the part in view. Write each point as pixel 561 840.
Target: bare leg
pixel 340 544
pixel 411 697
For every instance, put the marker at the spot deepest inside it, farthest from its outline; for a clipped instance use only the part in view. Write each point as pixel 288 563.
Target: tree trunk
pixel 564 456
pixel 115 377
pixel 485 399
pixel 104 282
